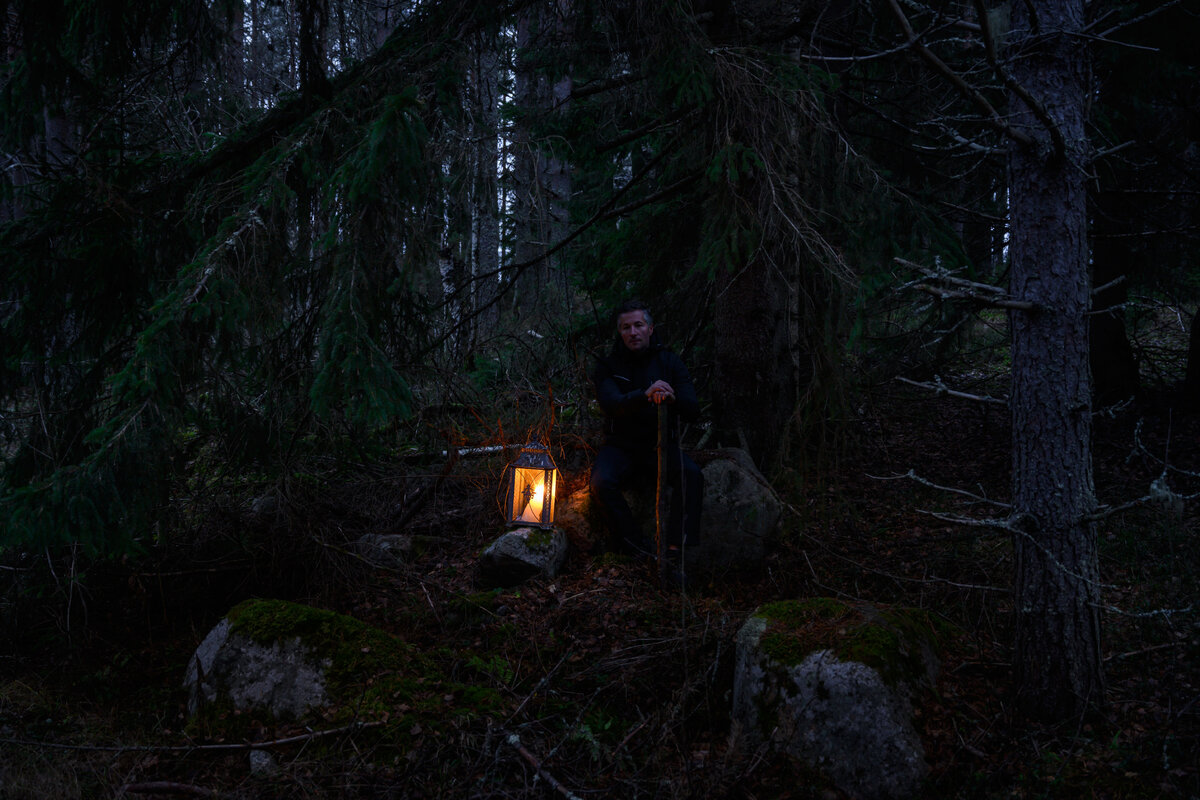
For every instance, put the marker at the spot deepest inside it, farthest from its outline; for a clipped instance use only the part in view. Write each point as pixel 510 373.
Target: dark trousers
pixel 617 468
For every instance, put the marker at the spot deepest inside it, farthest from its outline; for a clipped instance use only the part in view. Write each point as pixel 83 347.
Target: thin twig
pixel 196 748
pixel 913 476
pixel 165 787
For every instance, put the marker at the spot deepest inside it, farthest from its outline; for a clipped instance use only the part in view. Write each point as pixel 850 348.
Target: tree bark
pixel 756 360
pixel 485 214
pixel 1056 593
pixel 542 179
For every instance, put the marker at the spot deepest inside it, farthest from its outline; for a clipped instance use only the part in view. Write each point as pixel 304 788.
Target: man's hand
pixel 660 392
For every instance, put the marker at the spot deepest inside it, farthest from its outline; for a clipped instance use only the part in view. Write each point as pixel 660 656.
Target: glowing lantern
pixel 530 483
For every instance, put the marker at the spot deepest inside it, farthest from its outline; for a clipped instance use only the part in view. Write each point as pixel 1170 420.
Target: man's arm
pixel 613 401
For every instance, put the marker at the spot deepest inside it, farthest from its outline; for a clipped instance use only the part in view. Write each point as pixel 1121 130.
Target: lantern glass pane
pixel 528 501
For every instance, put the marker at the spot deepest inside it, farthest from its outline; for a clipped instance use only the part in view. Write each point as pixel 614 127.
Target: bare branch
pixel 912 476
pixel 947 294
pixel 1130 22
pixel 1039 111
pixel 971 522
pixel 1117 281
pixel 940 388
pixel 949 287
pixel 990 114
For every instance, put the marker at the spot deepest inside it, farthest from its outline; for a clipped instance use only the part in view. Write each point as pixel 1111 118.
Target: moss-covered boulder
pixel 292 661
pixel 520 554
pixel 832 684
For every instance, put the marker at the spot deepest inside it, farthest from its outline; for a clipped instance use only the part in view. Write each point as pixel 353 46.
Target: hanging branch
pixel 941 284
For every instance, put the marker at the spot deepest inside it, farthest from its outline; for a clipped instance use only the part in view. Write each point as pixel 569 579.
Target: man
pixel 631 382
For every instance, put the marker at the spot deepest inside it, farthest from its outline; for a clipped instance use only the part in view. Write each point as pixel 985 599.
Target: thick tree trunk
pixel 1056 593
pixel 756 361
pixel 542 180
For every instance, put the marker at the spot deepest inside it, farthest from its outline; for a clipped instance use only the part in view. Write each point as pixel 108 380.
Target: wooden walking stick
pixel 660 496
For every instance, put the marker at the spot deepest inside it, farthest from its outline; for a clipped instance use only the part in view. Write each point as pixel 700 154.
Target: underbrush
pixel 599 682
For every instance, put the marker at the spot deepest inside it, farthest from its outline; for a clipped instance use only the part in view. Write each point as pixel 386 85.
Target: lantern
pixel 529 486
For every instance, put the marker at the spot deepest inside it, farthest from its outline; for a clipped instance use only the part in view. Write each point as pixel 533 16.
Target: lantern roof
pixel 534 455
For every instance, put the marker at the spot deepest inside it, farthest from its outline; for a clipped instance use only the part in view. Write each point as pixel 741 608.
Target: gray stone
pixel 262 764
pixel 740 516
pixel 837 716
pixel 283 677
pixel 521 554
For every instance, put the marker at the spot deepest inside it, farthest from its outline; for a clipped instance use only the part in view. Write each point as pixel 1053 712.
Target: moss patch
pixel 895 641
pixel 372 675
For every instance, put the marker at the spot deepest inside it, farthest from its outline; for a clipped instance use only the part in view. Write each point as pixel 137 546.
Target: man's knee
pixel 603 482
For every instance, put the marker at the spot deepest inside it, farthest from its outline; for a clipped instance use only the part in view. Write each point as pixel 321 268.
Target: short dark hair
pixel 633 304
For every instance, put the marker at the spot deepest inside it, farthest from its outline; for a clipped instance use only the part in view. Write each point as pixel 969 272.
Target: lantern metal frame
pixel 532 470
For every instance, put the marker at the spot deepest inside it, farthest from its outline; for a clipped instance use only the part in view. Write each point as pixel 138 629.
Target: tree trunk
pixel 1056 589
pixel 542 180
pixel 756 356
pixel 485 214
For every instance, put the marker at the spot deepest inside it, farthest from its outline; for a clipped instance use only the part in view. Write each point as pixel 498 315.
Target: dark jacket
pixel 621 379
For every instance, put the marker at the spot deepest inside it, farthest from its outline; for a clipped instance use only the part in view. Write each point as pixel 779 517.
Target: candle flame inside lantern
pixel 533 494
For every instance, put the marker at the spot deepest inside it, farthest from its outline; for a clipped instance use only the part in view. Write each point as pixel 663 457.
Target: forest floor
pixel 599 682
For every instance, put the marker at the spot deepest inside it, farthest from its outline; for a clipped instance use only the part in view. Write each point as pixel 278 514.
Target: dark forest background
pixel 267 267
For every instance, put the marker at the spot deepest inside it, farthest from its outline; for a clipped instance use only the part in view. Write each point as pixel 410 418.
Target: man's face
pixel 635 331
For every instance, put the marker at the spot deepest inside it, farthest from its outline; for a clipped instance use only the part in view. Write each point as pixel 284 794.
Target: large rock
pixel 278 657
pixel 740 516
pixel 832 685
pixel 522 553
pixel 575 517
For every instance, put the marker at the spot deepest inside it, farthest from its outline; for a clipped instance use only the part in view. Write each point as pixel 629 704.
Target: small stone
pixel 262 764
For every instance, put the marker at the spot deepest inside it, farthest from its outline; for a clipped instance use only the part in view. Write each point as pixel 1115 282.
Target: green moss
pixel 372 675
pixel 800 612
pixel 354 647
pixel 892 641
pixel 539 538
pixel 784 647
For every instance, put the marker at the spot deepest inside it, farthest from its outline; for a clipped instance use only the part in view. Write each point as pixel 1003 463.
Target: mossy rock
pixel 900 643
pixel 832 684
pixel 324 667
